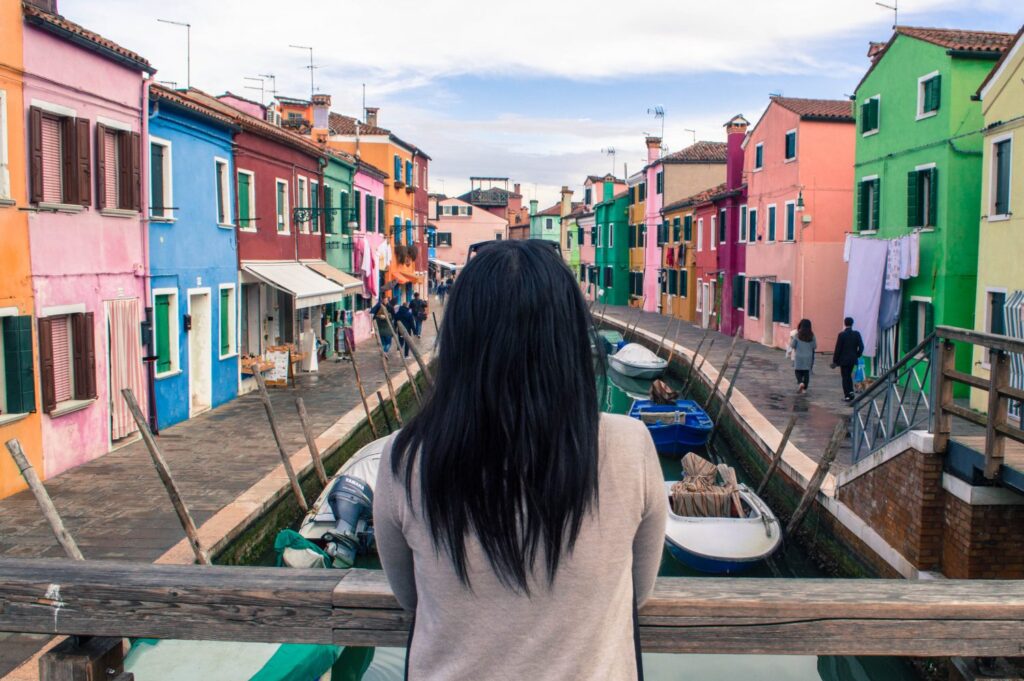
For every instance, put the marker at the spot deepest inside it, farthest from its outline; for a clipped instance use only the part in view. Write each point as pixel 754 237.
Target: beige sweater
pixel 581 627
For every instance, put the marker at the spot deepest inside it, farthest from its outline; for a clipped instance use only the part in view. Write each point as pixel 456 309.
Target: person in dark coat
pixel 418 307
pixel 849 348
pixel 405 317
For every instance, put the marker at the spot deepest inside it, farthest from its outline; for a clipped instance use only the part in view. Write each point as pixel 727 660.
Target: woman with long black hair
pixel 521 525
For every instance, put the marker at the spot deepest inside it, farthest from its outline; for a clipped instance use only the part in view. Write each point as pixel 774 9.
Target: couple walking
pixel 849 348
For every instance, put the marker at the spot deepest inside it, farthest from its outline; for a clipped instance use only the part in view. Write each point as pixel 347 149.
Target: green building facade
pixel 337 195
pixel 611 239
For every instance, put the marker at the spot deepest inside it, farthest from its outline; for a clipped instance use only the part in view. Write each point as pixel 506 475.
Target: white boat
pixel 636 361
pixel 724 528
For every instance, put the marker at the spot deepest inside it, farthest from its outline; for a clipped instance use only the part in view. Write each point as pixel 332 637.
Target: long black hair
pixel 507 441
pixel 804 332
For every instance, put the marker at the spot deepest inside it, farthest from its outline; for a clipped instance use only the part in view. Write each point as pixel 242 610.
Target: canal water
pixel 387 664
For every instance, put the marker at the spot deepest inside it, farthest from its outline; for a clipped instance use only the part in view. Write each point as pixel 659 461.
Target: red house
pixel 708 271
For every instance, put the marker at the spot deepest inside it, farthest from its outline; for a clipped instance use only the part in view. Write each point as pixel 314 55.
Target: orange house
pixel 19 410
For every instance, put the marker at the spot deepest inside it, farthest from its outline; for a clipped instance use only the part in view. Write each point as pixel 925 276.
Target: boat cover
pixel 706 490
pixel 637 355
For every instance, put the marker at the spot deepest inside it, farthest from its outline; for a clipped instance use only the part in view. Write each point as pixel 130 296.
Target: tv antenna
pixel 256 87
pixel 311 67
pixel 188 48
pixel 895 7
pixel 273 83
pixel 692 132
pixel 658 112
pixel 610 151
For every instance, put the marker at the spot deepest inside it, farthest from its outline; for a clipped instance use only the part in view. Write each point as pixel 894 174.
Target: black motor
pixel 351 503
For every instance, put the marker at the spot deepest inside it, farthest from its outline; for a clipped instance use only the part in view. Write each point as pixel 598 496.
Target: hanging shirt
pixel 915 253
pixel 846 248
pixel 892 266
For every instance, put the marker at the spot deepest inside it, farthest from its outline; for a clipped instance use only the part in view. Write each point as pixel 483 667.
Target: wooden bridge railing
pixel 356 607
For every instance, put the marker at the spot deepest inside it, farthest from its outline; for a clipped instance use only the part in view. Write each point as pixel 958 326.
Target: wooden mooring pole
pixel 64 537
pixel 696 372
pixel 384 411
pixel 838 435
pixel 777 458
pixel 387 378
pixel 639 316
pixel 362 391
pixel 417 355
pixel 405 364
pixel 314 451
pixel 285 459
pixel 721 373
pixel 437 327
pixel 728 396
pixel 693 360
pixel 675 339
pixel 164 472
pixel 661 343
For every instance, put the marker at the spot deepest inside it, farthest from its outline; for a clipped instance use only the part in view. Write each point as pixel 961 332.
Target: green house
pixel 338 210
pixel 918 168
pixel 611 241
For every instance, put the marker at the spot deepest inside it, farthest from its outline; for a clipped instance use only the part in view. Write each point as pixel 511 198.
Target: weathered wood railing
pixel 356 607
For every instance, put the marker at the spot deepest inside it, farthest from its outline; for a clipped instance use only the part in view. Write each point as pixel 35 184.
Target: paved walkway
pixel 767 380
pixel 116 507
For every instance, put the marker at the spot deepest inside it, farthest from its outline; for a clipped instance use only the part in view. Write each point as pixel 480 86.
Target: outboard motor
pixel 351 503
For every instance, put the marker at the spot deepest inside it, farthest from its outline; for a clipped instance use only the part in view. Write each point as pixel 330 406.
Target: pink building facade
pixel 88 239
pixel 799 165
pixel 655 202
pixel 457 227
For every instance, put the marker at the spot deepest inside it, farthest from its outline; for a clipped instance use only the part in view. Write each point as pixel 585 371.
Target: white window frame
pixel 700 235
pixel 168 197
pixel 921 115
pixel 700 298
pixel 751 236
pixel 992 215
pixel 878 127
pixel 232 321
pixel 314 220
pixel 743 223
pixel 173 322
pixel 931 196
pixel 743 298
pixel 785 227
pixel 796 142
pixel 5 172
pixel 278 212
pixel 611 235
pixel 870 178
pixel 225 191
pixel 415 174
pixel 302 200
pixel 758 168
pixel 252 201
pixel 917 311
pixel 770 238
pixel 713 234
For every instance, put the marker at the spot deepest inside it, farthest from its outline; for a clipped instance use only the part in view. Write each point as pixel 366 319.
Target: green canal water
pixel 388 664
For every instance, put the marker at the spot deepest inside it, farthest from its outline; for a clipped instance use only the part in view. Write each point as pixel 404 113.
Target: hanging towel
pixel 864 288
pixel 670 257
pixel 915 253
pixel 846 247
pixel 904 257
pixel 892 266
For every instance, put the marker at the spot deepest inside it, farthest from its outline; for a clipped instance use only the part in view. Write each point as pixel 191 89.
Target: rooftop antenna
pixel 273 83
pixel 895 7
pixel 254 87
pixel 188 48
pixel 311 67
pixel 173 84
pixel 692 132
pixel 610 151
pixel 364 99
pixel 659 112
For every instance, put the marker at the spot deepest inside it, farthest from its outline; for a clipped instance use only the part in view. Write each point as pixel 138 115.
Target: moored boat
pixel 676 427
pixel 636 361
pixel 716 524
pixel 636 388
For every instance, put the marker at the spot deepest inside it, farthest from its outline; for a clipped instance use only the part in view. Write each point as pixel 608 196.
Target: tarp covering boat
pixel 706 490
pixel 637 361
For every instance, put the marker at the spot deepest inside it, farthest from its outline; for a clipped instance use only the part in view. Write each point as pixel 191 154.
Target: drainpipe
pixel 150 359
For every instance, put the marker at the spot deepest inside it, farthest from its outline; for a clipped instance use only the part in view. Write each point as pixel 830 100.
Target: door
pixel 768 337
pixel 705 305
pixel 124 353
pixel 200 349
pixel 709 305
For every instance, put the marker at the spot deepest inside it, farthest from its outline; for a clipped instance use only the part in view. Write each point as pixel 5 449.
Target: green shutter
pixel 873 113
pixel 933 196
pixel 913 200
pixel 758 156
pixel 225 321
pixel 683 283
pixel 163 333
pixel 862 206
pixel 876 207
pixel 356 208
pixel 345 217
pixel 380 216
pixel 688 228
pixel 244 216
pixel 398 169
pixel 932 90
pixel 772 212
pixel 19 380
pixel 370 207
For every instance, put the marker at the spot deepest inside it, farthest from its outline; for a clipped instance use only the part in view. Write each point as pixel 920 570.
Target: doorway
pixel 200 344
pixel 768 337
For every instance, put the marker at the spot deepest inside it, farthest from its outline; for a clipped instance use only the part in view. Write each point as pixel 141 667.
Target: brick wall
pixel 902 499
pixel 983 542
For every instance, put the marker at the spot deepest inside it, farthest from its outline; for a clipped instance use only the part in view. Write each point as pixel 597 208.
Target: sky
pixel 537 90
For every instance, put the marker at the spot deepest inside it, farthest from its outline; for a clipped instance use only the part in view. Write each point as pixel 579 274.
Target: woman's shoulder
pixel 623 433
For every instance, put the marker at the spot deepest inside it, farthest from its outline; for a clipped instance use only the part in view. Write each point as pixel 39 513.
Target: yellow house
pixel 999 302
pixel 19 412
pixel 678 262
pixel 637 184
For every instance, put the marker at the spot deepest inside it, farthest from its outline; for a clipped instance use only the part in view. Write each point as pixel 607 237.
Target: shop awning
pixel 446 265
pixel 346 281
pixel 308 288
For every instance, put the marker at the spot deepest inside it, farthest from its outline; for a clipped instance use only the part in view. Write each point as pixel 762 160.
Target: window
pixel 700 298
pixel 995 318
pixel 663 280
pixel 771 222
pixel 228 346
pixel 676 227
pixel 608 277
pixel 869 111
pixel 579 235
pixel 283 224
pixel 790 221
pixel 165 330
pixel 660 180
pixel 918 323
pixel 302 201
pixel 117 168
pixel 759 156
pixel 632 236
pixel 753 298
pixel 780 303
pixel 329 218
pixel 611 235
pixel 223 193
pixel 636 284
pixel 396 230
pixel 17 380
pixel 712 237
pixel 1002 150
pixel 600 232
pixel 66 360
pixel 868 204
pixel 722 224
pixel 743 224
pixel 246 200
pixel 642 192
pixel 587 194
pixel 371 205
pixel 344 217
pixel 700 234
pixel 357 208
pixel 568 239
pixel 683 275
pixel 791 145
pixel 549 223
pixel 408 232
pixel 398 169
pixel 409 180
pixel 673 282
pixel 416 175
pixel 60 171
pixel 642 235
pixel 380 216
pixel 928 95
pixel 314 203
pixel 922 185
pixel 161 196
pixel 752 228
pixel 738 281
pixel 444 239
pixel 5 171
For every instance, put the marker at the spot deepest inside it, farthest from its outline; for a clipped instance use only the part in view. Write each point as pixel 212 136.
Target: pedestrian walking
pixel 803 345
pixel 442 291
pixel 849 348
pixel 380 315
pixel 404 317
pixel 418 306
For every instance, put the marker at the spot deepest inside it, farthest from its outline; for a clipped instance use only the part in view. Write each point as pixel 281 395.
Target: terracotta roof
pixel 371 169
pixel 57 24
pixel 700 152
pixel 342 156
pixel 187 101
pixel 229 93
pixel 346 125
pixel 818 109
pixel 555 210
pixel 256 125
pixel 696 199
pixel 998 64
pixel 602 178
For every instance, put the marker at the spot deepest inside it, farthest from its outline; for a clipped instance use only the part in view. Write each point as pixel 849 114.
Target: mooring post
pixel 639 316
pixel 721 373
pixel 405 364
pixel 728 396
pixel 675 339
pixel 417 355
pixel 184 517
pixel 819 476
pixel 362 391
pixel 696 372
pixel 661 343
pixel 387 379
pixel 285 459
pixel 84 657
pixel 777 457
pixel 693 360
pixel 314 451
pixel 64 537
pixel 384 411
pixel 437 327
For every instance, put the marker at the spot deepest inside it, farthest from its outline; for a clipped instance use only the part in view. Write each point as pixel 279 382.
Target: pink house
pixel 456 227
pixel 83 98
pixel 655 173
pixel 799 167
pixel 368 181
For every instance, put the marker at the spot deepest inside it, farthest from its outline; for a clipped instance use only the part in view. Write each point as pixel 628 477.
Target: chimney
pixel 533 207
pixel 566 201
pixel 609 191
pixel 515 188
pixel 371 115
pixel 45 5
pixel 321 113
pixel 653 149
pixel 736 132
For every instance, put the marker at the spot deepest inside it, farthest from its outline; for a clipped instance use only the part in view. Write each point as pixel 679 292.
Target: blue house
pixel 193 256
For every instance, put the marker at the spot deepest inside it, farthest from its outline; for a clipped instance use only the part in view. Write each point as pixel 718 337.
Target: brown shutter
pixel 101 167
pixel 83 165
pixel 46 365
pixel 35 124
pixel 124 170
pixel 136 171
pixel 69 152
pixel 85 356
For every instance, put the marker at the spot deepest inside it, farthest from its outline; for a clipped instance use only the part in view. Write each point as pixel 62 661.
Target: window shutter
pixel 225 325
pixel 469 211
pixel 136 170
pixel 101 167
pixel 163 333
pixel 20 383
pixel 124 171
pixel 69 161
pixel 913 200
pixel 864 125
pixel 243 200
pixel 46 384
pixel 358 207
pixel 862 202
pixel 380 216
pixel 328 212
pixel 876 207
pixel 85 356
pixel 35 124
pixel 82 163
pixel 398 169
pixel 929 318
pixel 933 194
pixel 934 90
pixel 873 113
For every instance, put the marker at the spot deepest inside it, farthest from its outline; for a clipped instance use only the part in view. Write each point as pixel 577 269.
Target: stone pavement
pixel 767 380
pixel 116 507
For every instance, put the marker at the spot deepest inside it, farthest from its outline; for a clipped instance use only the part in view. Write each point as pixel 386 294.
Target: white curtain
pixel 125 364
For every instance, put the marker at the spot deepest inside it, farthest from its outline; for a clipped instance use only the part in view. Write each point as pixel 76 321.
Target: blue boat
pixel 676 428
